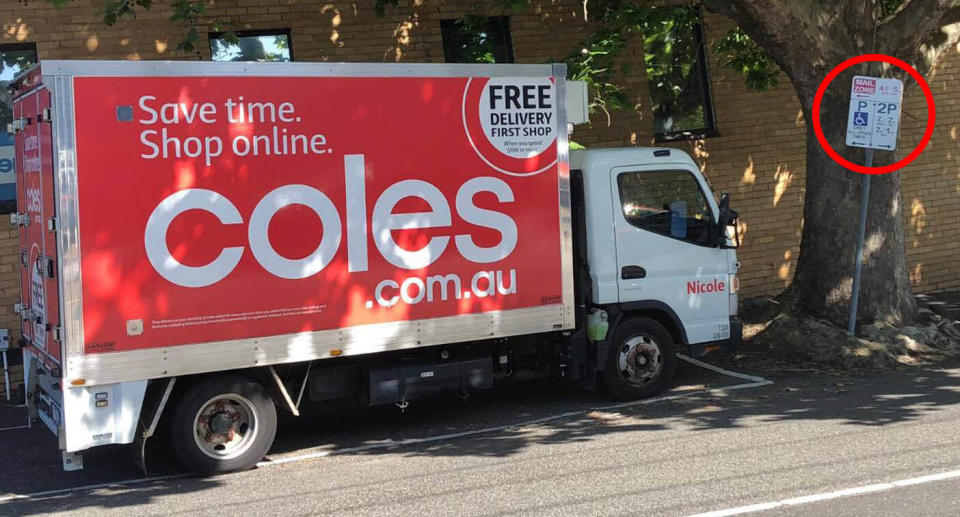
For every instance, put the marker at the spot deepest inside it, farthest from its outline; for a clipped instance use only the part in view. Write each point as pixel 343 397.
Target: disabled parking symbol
pixel 860 118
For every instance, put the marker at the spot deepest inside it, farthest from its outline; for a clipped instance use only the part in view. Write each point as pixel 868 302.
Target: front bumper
pixel 731 344
pixel 736 334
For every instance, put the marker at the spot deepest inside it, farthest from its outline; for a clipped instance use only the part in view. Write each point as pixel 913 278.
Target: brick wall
pixel 931 184
pixel 758 156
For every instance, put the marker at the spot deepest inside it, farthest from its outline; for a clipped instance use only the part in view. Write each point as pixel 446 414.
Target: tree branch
pixel 907 29
pixel 793 33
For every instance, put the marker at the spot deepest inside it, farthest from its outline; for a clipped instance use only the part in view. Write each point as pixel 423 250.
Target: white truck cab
pixel 656 243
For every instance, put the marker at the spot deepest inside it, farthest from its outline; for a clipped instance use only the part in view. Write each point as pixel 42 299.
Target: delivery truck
pixel 205 245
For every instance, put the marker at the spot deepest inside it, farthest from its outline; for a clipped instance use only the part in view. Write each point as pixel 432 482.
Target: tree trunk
pixel 806 38
pixel 823 280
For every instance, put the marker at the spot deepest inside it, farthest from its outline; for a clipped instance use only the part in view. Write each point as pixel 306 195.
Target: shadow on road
pixel 877 400
pixel 897 397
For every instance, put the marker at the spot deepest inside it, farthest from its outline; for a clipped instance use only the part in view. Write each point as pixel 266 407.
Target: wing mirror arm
pixel 726 218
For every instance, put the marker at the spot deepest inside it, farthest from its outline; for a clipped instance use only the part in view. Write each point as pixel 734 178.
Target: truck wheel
pixel 641 360
pixel 223 424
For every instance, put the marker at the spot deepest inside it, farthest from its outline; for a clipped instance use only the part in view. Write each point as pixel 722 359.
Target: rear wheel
pixel 223 424
pixel 641 360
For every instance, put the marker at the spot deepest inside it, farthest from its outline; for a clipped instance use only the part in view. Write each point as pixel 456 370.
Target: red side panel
pixel 36 200
pixel 222 208
pixel 50 275
pixel 24 248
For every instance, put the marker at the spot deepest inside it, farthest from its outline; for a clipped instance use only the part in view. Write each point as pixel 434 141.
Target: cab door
pixel 665 226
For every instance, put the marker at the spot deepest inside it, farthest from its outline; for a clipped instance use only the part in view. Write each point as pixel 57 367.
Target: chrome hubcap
pixel 640 361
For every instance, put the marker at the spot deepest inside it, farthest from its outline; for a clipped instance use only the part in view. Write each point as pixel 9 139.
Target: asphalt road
pixel 703 449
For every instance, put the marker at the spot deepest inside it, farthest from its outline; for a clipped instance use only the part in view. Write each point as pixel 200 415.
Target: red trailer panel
pixel 221 208
pixel 36 204
pixel 196 217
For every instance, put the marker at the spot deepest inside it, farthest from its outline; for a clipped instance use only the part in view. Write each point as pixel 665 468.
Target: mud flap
pixel 72 461
pixel 577 364
pixel 158 394
pixel 138 451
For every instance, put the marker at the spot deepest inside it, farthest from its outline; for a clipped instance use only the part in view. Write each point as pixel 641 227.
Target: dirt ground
pixel 775 339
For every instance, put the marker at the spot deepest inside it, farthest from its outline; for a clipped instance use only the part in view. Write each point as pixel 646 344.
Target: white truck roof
pixel 579 159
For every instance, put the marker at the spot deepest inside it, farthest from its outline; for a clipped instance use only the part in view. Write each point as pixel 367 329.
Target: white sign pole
pixel 861 236
pixel 4 345
pixel 6 375
pixel 873 123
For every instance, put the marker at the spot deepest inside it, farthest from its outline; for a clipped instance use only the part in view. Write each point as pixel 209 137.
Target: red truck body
pixel 234 239
pixel 180 218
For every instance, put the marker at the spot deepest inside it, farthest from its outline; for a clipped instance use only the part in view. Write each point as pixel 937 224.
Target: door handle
pixel 630 272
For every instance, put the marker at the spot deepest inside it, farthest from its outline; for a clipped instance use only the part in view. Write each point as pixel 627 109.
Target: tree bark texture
pixel 824 277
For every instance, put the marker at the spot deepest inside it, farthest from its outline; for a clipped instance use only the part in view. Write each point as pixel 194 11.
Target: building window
pixel 669 203
pixel 14 58
pixel 477 39
pixel 270 45
pixel 676 66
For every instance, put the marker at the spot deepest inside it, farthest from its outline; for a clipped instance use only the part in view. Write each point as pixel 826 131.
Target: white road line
pixel 14 427
pixel 836 494
pixel 112 484
pixel 757 382
pixel 708 366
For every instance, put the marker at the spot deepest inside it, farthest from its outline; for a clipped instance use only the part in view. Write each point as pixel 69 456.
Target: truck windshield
pixel 670 203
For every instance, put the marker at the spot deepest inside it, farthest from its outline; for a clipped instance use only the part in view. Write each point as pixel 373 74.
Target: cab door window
pixel 669 203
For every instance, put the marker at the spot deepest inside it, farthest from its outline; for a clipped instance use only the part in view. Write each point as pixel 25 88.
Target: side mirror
pixel 725 218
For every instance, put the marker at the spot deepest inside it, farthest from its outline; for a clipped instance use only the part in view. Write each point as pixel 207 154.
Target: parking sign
pixel 874 118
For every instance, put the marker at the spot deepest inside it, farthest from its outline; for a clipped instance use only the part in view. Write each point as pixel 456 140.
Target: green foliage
pixel 672 45
pixel 471 41
pixel 114 10
pixel 12 62
pixel 887 7
pixel 189 12
pixel 189 41
pixel 231 37
pixel 742 54
pixel 17 61
pixel 595 65
pixel 668 32
pixel 229 47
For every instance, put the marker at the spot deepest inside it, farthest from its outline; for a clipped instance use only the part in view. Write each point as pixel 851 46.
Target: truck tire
pixel 641 360
pixel 222 424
